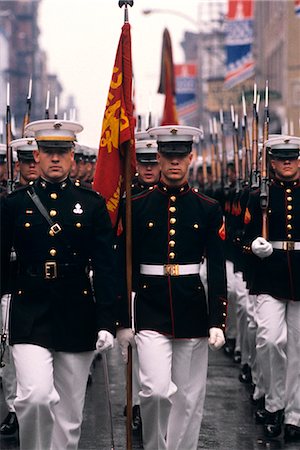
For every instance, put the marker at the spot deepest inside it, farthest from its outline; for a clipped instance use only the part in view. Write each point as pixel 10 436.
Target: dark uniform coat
pixel 177 226
pixel 137 187
pixel 59 313
pixel 278 274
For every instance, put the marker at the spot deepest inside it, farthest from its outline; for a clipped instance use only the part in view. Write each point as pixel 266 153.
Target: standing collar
pixel 173 190
pixel 287 184
pixel 47 185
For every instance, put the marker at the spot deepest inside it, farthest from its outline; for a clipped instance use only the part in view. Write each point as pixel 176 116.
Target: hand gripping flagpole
pixel 125 3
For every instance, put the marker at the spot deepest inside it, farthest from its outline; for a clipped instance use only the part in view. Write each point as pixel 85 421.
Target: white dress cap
pixel 54 130
pixel 175 133
pixel 283 141
pixel 149 146
pixel 143 136
pixel 24 144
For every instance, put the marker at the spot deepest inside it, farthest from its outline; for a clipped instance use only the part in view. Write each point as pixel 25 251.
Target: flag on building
pixel 167 82
pixel 117 135
pixel 186 93
pixel 239 40
pixel 297 8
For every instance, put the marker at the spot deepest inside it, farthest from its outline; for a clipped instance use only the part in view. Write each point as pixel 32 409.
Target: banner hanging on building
pixel 297 8
pixel 186 93
pixel 239 40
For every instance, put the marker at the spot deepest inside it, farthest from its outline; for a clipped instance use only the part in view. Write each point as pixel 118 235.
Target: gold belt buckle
pixel 171 269
pixel 50 270
pixel 288 245
pixel 55 228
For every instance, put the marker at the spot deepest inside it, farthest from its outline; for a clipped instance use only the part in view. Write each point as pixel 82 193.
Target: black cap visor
pixel 284 154
pixel 175 147
pixel 25 156
pixel 55 146
pixel 146 158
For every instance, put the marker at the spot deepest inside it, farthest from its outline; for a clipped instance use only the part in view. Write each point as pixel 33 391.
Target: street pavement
pixel 228 422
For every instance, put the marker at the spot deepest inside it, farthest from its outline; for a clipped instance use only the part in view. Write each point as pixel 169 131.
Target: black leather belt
pixel 51 270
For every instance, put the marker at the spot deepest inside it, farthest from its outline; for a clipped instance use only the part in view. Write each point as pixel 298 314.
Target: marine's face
pixel 74 169
pixel 55 163
pixel 174 167
pixel 148 172
pixel 29 171
pixel 286 169
pixel 81 169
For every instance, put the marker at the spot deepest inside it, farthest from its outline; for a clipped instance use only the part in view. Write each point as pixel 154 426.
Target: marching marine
pixel 275 280
pixel 28 171
pixel 59 231
pixel 148 171
pixel 172 227
pixel 148 174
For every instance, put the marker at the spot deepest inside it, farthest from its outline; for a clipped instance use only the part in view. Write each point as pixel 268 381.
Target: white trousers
pixel 242 300
pixel 50 396
pixel 136 384
pixel 278 353
pixel 173 384
pixel 9 382
pixel 232 331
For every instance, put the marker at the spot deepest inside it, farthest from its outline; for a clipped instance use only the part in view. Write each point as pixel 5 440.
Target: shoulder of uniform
pixel 18 191
pixel 144 194
pixel 84 187
pixel 204 197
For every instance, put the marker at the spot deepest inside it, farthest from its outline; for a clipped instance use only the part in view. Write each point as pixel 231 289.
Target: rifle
pixel 149 120
pixel 264 187
pixel 224 175
pixel 55 107
pixel 47 105
pixel 10 186
pixel 9 153
pixel 217 153
pixel 212 153
pixel 26 119
pixel 254 163
pixel 246 143
pixel 139 123
pixel 235 142
pixel 204 163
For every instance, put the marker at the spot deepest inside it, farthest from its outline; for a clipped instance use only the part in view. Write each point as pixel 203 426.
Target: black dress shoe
pixel 237 357
pixel 245 374
pixel 229 347
pixel 273 423
pixel 260 413
pixel 136 419
pixel 291 433
pixel 10 425
pixel 260 416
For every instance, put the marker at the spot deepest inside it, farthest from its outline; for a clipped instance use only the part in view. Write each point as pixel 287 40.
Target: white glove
pixel 105 341
pixel 216 338
pixel 261 248
pixel 125 337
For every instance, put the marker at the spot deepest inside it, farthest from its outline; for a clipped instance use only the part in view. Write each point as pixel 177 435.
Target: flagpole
pixel 128 212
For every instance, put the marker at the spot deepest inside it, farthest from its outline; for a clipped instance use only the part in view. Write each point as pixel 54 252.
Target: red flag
pixel 117 130
pixel 167 82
